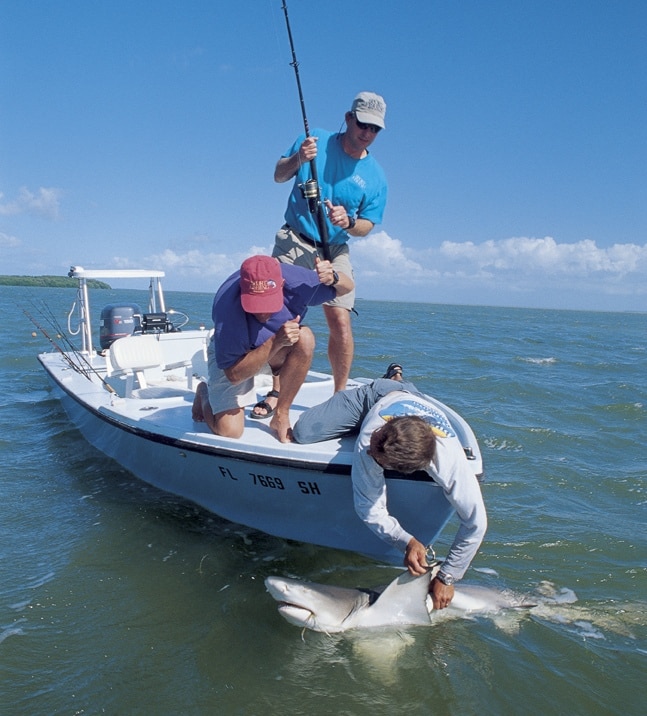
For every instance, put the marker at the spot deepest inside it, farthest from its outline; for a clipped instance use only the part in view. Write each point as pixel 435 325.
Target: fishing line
pixel 310 189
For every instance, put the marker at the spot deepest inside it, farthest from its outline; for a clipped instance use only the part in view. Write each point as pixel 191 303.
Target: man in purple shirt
pixel 257 314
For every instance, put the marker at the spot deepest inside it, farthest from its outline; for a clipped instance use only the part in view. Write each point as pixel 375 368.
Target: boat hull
pixel 297 492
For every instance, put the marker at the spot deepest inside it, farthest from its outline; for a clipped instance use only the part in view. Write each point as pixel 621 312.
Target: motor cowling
pixel 119 321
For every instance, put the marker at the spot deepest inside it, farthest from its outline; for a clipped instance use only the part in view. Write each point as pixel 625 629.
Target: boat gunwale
pixel 201 448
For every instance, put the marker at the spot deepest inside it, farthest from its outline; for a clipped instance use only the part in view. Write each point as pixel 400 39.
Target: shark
pixel 404 601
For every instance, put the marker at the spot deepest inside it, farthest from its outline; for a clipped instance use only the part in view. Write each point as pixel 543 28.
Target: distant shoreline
pixel 49 282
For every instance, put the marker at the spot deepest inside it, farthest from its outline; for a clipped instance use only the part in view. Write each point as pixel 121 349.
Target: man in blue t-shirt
pixel 353 187
pixel 257 314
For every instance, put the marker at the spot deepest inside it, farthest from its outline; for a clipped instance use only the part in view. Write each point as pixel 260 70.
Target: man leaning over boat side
pixel 257 314
pixel 354 189
pixel 405 443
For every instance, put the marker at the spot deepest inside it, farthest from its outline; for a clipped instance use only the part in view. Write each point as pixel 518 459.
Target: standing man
pixel 353 187
pixel 257 314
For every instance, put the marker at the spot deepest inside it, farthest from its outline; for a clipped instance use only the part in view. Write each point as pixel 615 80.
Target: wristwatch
pixel 335 278
pixel 446 579
pixel 351 222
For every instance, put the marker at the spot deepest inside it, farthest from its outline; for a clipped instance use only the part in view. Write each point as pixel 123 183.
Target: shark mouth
pixel 300 616
pixel 291 605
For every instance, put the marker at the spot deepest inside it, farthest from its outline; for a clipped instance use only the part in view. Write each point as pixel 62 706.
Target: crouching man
pixel 257 316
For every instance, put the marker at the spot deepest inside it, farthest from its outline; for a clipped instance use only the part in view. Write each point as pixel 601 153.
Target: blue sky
pixel 137 134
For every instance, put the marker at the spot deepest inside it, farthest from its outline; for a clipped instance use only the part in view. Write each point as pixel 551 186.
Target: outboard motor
pixel 118 321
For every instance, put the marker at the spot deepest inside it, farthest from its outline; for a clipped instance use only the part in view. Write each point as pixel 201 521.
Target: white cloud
pixel 204 270
pixel 531 256
pixel 519 271
pixel 379 253
pixel 8 242
pixel 45 202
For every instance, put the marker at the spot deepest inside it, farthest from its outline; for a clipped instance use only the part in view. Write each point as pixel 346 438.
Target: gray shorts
pixel 224 395
pixel 290 248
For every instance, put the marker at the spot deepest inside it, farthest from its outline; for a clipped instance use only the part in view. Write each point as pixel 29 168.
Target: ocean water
pixel 118 599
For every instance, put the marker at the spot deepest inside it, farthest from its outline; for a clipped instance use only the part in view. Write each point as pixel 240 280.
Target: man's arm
pixel 339 216
pixel 362 227
pixel 287 167
pixel 464 493
pixel 251 363
pixel 326 274
pixel 369 495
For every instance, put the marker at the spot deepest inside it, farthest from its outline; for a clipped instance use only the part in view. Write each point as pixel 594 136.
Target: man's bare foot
pixel 201 393
pixel 281 426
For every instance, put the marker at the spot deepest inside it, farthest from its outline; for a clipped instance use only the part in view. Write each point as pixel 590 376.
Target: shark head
pixel 320 607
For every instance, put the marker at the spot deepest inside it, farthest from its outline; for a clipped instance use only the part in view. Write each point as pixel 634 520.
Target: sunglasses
pixel 363 126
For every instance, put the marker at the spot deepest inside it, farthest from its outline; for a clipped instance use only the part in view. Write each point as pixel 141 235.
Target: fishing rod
pixel 310 189
pixel 77 367
pixel 66 357
pixel 79 355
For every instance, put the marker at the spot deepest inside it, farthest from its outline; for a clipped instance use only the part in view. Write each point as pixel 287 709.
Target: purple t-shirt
pixel 237 333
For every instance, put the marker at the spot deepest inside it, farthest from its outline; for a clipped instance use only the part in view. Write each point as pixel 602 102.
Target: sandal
pixel 393 370
pixel 263 405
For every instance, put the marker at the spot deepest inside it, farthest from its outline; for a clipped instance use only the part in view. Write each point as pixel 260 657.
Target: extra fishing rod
pixel 310 189
pixel 66 357
pixel 78 368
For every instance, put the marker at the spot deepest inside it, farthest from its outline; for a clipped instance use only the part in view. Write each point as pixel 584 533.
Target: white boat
pixel 132 400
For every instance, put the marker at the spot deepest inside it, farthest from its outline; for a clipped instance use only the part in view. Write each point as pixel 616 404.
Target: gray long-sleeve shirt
pixel 449 469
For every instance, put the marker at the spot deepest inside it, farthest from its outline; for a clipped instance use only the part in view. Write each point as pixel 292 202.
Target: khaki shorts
pixel 223 395
pixel 290 248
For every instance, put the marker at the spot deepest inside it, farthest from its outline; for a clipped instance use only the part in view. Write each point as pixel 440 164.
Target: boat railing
pixel 155 296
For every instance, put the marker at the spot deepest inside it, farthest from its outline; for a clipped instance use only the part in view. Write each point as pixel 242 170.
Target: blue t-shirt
pixel 359 185
pixel 237 332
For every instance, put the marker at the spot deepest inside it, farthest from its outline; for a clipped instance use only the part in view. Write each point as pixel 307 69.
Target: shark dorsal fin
pixel 403 601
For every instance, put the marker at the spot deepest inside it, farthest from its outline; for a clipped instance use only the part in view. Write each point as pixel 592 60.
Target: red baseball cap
pixel 261 285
